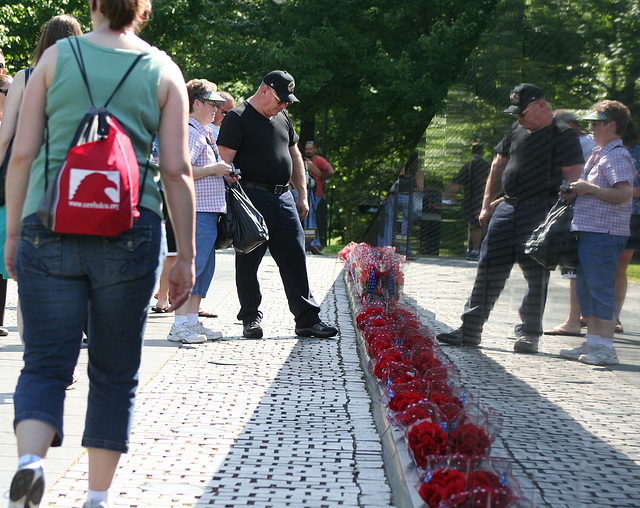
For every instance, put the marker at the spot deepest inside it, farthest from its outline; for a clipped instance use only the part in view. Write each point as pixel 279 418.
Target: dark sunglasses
pixel 4 91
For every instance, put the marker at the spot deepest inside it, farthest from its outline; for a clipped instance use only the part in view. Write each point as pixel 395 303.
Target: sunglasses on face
pixel 526 110
pixel 4 91
pixel 280 102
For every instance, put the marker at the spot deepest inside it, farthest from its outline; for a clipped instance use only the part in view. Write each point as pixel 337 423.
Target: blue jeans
pixel 596 278
pixel 60 277
pixel 206 234
pixel 502 247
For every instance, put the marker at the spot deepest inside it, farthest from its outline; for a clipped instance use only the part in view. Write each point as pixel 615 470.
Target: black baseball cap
pixel 523 95
pixel 283 84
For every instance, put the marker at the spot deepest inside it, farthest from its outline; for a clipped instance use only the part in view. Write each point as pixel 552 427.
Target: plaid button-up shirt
pixel 606 167
pixel 203 152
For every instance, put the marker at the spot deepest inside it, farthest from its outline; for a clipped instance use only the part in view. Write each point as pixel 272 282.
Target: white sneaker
pixel 600 355
pixel 203 330
pixel 27 487
pixel 575 353
pixel 185 334
pixel 95 504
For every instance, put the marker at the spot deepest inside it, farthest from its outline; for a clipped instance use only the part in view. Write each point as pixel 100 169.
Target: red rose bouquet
pixel 449 405
pixel 425 438
pixel 469 439
pixel 385 357
pixel 442 484
pixel 421 410
pixel 490 484
pixel 396 372
pixel 480 416
pixel 400 396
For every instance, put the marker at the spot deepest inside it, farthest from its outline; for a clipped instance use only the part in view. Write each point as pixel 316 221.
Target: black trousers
pixel 503 246
pixel 286 244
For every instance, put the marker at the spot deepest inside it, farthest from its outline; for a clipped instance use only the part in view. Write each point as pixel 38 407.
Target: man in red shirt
pixel 321 171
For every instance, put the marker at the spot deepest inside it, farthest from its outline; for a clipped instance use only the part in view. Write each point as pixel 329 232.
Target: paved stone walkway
pixel 570 429
pixel 284 421
pixel 275 422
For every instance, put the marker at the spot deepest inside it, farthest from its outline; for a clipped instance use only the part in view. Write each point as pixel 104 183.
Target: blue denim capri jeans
pixel 60 277
pixel 596 278
pixel 206 235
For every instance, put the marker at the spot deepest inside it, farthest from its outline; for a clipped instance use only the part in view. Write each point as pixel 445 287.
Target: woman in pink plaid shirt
pixel 208 172
pixel 601 217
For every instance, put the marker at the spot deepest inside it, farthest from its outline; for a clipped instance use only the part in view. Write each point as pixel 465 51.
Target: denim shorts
pixel 206 234
pixel 596 278
pixel 61 278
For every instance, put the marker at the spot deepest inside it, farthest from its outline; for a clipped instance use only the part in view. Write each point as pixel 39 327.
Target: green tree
pixel 21 22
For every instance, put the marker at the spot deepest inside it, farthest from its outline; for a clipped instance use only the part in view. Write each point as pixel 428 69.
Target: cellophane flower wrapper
pixel 422 410
pixel 368 313
pixel 398 396
pixel 396 372
pixel 346 251
pixel 445 378
pixel 490 484
pixel 481 416
pixel 425 438
pixel 387 354
pixel 425 357
pixel 444 476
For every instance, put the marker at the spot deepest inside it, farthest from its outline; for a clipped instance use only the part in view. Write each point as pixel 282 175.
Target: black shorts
pixel 634 240
pixel 172 248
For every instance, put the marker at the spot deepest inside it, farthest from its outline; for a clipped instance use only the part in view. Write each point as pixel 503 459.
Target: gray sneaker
pixel 600 355
pixel 185 334
pixel 526 345
pixel 200 329
pixel 575 353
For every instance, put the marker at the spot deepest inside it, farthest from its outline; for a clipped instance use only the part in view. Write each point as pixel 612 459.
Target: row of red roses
pixel 444 427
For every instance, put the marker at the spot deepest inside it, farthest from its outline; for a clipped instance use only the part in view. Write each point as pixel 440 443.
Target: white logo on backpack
pixel 90 188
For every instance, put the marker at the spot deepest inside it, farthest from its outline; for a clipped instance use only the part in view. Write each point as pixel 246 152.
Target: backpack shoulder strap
pixel 77 53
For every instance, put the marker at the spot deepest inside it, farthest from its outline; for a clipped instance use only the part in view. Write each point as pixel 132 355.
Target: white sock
pixel 192 319
pixel 30 459
pixel 99 496
pixel 179 320
pixel 608 343
pixel 593 340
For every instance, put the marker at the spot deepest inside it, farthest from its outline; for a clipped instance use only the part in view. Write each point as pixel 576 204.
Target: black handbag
pixel 224 240
pixel 553 243
pixel 242 223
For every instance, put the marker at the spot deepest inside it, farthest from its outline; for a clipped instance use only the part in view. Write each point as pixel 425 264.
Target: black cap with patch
pixel 523 95
pixel 283 84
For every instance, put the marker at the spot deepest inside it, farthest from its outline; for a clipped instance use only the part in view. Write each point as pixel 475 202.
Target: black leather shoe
pixel 458 338
pixel 252 330
pixel 527 345
pixel 320 330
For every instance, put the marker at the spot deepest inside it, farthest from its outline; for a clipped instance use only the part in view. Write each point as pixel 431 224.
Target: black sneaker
pixel 458 338
pixel 320 330
pixel 527 345
pixel 252 330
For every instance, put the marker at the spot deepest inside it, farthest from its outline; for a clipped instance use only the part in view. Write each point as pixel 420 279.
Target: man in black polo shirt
pixel 535 155
pixel 259 138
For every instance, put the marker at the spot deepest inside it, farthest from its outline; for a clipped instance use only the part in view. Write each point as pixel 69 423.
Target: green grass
pixel 633 271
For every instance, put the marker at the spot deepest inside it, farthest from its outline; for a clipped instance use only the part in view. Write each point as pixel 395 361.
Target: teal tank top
pixel 135 105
